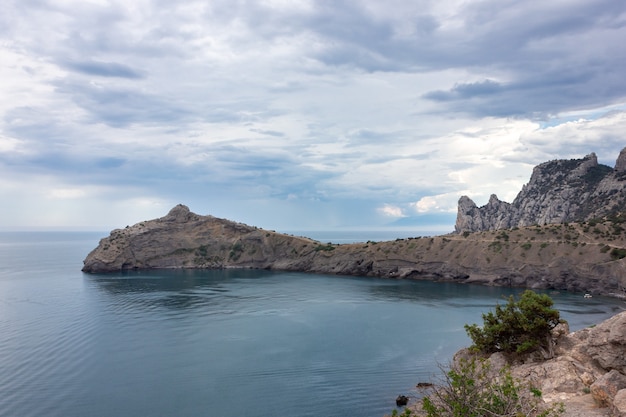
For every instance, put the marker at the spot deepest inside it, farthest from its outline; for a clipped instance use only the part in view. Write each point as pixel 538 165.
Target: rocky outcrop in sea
pixel 559 191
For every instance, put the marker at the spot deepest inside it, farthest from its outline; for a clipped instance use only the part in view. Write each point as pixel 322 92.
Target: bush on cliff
pixel 521 326
pixel 469 389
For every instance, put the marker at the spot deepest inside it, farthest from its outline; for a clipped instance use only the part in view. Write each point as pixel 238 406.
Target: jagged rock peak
pixel 620 164
pixel 466 202
pixel 561 190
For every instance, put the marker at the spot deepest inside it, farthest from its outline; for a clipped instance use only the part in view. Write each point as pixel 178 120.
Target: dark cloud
pixel 273 133
pixel 119 107
pixel 104 69
pixel 466 91
pixel 554 57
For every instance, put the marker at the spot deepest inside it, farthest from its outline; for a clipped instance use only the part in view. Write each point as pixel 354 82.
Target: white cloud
pixel 391 211
pixel 436 204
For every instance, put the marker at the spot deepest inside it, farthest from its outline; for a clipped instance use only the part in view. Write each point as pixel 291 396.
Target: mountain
pixel 559 191
pixel 583 257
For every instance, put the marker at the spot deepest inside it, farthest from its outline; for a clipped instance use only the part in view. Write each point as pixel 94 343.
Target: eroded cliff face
pixel 587 373
pixel 574 257
pixel 558 191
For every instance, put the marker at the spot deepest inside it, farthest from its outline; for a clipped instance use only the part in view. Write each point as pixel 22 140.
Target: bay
pixel 223 343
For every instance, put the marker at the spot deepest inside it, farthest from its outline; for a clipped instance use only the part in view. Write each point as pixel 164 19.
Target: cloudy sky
pixel 297 114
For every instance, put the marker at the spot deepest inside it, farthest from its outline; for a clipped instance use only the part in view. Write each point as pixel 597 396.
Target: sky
pixel 297 114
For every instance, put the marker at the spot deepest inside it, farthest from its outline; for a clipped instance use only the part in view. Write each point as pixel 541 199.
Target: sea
pixel 225 343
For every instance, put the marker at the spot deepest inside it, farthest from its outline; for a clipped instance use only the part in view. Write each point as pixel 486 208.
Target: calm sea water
pixel 222 343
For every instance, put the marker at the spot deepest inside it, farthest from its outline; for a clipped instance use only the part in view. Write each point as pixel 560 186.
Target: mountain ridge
pixel 558 191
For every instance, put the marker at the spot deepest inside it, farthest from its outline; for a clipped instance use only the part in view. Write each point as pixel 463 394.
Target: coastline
pixel 587 373
pixel 553 257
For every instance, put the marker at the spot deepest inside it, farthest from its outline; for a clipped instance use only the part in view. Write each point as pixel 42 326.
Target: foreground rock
pixel 558 191
pixel 587 373
pixel 564 257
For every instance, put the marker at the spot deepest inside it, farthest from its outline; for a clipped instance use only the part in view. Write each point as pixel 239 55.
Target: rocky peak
pixel 586 164
pixel 489 217
pixel 558 191
pixel 620 164
pixel 179 213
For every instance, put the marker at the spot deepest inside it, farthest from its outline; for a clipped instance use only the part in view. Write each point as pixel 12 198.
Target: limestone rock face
pixel 619 403
pixel 579 367
pixel 558 191
pixel 607 344
pixel 607 387
pixel 620 164
pixel 574 376
pixel 494 215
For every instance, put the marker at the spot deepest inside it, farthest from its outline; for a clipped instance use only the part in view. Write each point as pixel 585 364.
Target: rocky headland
pixel 581 257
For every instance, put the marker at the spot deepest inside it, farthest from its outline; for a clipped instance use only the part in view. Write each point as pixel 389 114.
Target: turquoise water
pixel 222 343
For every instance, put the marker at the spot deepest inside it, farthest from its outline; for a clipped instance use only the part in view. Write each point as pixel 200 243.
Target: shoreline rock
pixel 587 373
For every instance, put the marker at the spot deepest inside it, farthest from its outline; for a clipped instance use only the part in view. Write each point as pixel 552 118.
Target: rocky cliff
pixel 183 239
pixel 587 373
pixel 558 191
pixel 584 257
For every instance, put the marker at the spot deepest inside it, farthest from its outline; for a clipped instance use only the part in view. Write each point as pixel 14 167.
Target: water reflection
pixel 264 292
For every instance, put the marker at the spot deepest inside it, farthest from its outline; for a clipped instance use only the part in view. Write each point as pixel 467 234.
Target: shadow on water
pixel 230 289
pixel 175 289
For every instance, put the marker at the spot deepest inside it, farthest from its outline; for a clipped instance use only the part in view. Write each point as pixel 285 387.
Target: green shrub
pixel 517 327
pixel 618 253
pixel 470 389
pixel 406 413
pixel 496 246
pixel 324 248
pixel 235 251
pixel 503 235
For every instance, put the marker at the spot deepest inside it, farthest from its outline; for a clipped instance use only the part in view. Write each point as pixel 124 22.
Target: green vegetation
pixel 503 235
pixel 519 327
pixel 470 389
pixel 235 251
pixel 618 253
pixel 406 413
pixel 324 248
pixel 526 245
pixel 595 174
pixel 496 246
